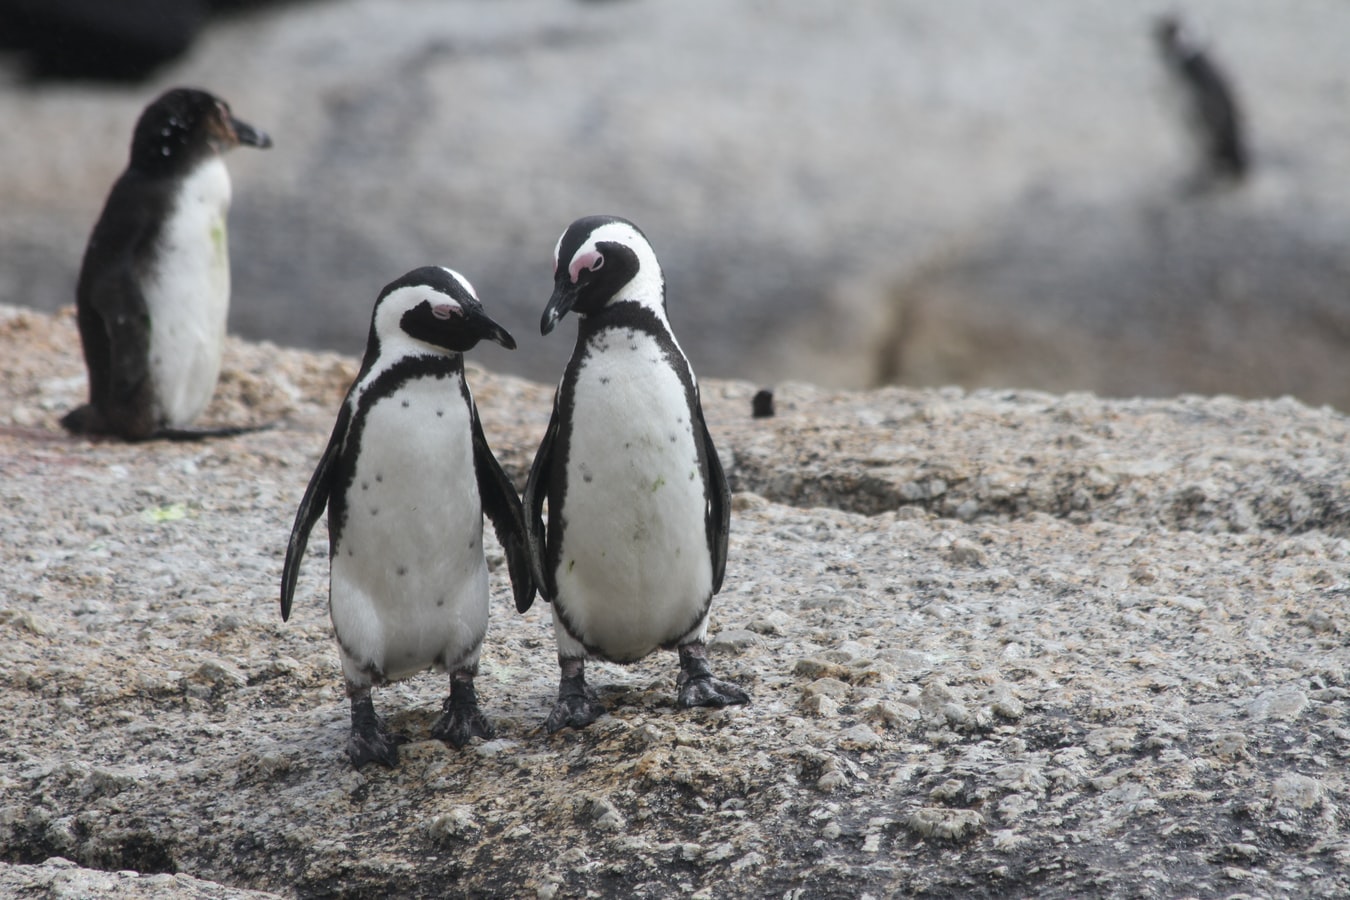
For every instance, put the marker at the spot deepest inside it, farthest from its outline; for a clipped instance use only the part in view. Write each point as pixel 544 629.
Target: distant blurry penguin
pixel 1210 108
pixel 154 290
pixel 406 479
pixel 638 505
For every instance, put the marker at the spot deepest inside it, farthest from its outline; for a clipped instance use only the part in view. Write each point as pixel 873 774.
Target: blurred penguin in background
pixel 1209 108
pixel 153 294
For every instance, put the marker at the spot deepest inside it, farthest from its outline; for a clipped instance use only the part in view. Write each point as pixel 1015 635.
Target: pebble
pixel 1229 745
pixel 822 706
pixel 1005 703
pixel 943 823
pixel 964 552
pixel 457 823
pixel 604 815
pixel 1285 704
pixel 1297 791
pixel 735 641
pixel 827 687
pixel 891 714
pixel 752 860
pixel 860 737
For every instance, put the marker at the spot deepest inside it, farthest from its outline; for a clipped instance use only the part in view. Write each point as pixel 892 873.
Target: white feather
pixel 634 569
pixel 409 583
pixel 188 296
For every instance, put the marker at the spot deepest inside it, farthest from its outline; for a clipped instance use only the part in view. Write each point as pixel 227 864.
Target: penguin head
pixel 185 126
pixel 600 260
pixel 1174 37
pixel 431 310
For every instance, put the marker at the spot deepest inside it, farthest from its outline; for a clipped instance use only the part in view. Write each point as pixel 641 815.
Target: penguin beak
pixel 490 330
pixel 562 301
pixel 247 134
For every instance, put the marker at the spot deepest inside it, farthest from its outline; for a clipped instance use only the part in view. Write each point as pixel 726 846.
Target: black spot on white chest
pixel 630 424
pixel 416 450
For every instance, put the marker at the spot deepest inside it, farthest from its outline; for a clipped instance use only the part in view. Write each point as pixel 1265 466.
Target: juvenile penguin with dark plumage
pixel 407 478
pixel 638 505
pixel 154 289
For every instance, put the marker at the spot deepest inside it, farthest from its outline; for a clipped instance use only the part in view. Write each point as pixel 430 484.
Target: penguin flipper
pixel 718 517
pixel 312 506
pixel 502 506
pixel 536 489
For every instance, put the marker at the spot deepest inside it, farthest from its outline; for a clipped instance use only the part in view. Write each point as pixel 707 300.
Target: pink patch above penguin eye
pixel 443 310
pixel 591 259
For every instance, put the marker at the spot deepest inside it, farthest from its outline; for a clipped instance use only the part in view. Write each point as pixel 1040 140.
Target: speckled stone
pixel 1109 696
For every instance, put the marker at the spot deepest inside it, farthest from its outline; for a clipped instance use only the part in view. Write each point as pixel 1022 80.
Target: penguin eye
pixel 443 311
pixel 588 261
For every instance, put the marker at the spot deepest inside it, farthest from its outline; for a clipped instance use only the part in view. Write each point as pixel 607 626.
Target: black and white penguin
pixel 406 478
pixel 638 505
pixel 154 289
pixel 1209 107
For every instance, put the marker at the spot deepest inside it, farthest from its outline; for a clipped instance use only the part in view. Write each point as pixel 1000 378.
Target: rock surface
pixel 1000 644
pixel 976 193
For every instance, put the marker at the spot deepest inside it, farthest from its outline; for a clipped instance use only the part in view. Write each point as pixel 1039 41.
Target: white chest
pixel 188 295
pixel 634 563
pixel 409 578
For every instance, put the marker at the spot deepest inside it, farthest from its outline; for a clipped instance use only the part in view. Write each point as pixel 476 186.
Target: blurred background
pixel 896 191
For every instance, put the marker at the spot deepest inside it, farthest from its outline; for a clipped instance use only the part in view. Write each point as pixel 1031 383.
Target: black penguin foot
pixel 370 739
pixel 128 423
pixel 709 691
pixel 698 687
pixel 460 719
pixel 81 420
pixel 577 705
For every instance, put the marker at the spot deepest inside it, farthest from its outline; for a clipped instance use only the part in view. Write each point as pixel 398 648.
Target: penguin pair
pixel 638 504
pixel 154 288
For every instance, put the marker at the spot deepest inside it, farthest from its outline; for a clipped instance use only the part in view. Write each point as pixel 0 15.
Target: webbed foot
pixel 460 719
pixel 698 687
pixel 577 705
pixel 370 739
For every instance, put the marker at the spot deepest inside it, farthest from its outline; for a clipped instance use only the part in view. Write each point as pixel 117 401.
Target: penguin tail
pixel 203 434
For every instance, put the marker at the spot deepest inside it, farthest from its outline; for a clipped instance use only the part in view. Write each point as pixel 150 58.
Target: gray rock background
pixel 972 193
pixel 1001 643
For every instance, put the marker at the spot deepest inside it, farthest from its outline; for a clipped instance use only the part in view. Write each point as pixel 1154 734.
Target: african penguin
pixel 154 289
pixel 638 505
pixel 407 477
pixel 1209 107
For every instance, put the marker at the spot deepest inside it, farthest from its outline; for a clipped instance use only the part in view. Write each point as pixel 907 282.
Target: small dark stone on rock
pixel 761 407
